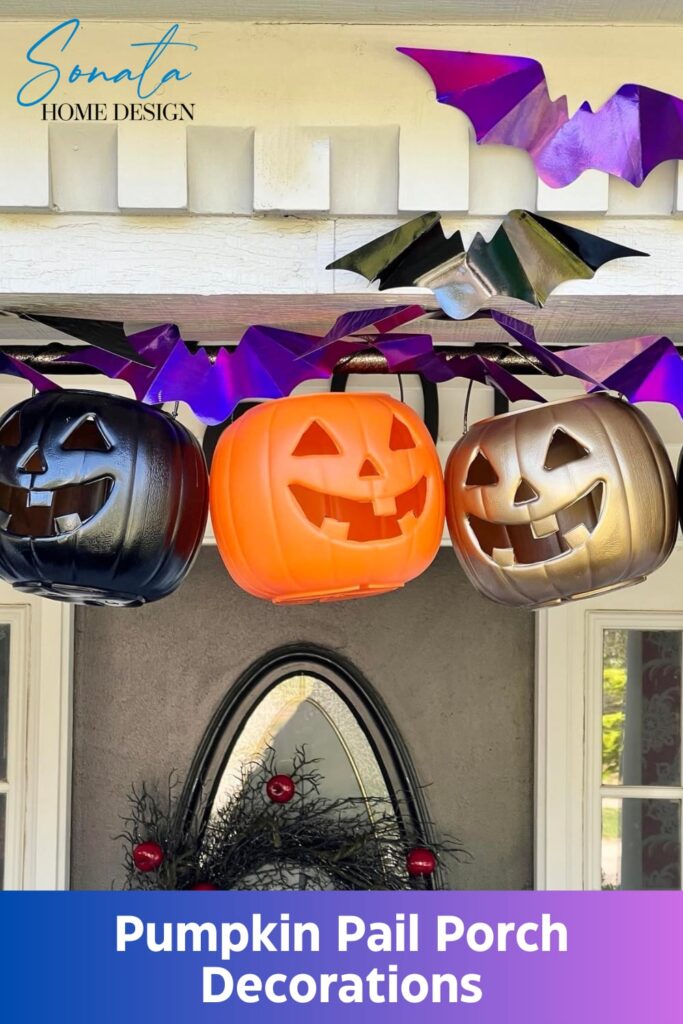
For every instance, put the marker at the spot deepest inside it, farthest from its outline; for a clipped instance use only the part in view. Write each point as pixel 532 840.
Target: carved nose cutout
pixel 33 461
pixel 369 469
pixel 525 493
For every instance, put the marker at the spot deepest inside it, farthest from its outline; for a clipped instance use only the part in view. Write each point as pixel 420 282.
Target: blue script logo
pixel 148 79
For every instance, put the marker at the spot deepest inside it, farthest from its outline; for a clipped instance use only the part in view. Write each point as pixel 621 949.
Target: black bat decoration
pixel 527 258
pixel 107 335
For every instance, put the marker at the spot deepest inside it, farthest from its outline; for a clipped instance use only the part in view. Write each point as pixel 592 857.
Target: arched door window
pixel 304 710
pixel 307 697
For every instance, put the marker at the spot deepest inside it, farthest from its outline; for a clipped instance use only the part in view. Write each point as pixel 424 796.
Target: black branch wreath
pixel 250 842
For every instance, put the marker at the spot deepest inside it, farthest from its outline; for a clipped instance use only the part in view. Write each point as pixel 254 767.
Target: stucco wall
pixel 455 671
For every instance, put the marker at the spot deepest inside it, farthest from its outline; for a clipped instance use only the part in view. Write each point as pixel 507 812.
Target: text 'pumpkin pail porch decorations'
pixel 325 497
pixel 103 500
pixel 560 501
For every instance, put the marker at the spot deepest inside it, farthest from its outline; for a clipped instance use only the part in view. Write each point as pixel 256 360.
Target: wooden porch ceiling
pixel 568 320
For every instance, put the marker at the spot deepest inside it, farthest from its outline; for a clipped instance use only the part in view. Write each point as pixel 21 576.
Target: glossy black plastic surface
pixel 103 500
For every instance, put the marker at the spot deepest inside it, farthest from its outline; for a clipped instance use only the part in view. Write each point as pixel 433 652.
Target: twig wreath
pixel 276 832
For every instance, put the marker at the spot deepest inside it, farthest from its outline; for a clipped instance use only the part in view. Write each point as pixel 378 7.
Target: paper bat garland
pixel 526 259
pixel 506 98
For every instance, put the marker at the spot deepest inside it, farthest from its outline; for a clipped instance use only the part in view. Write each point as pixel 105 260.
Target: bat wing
pixel 107 335
pixel 551 363
pixel 634 131
pixel 397 258
pixel 15 368
pixel 150 350
pixel 550 253
pixel 592 250
pixel 269 362
pixel 414 353
pixel 527 258
pixel 645 369
pixel 505 97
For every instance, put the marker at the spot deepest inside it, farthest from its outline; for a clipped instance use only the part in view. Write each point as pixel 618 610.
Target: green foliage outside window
pixel 613 703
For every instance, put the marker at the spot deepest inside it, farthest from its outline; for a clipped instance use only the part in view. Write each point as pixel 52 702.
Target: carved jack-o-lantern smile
pixel 326 497
pixel 560 501
pixel 32 512
pixel 102 500
pixel 49 512
pixel 541 539
pixel 358 519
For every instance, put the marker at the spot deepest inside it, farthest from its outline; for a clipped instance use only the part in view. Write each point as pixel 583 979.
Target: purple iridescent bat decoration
pixel 644 369
pixel 270 362
pixel 506 98
pixel 15 368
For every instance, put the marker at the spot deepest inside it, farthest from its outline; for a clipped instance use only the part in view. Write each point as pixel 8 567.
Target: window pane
pixel 641 844
pixel 3 804
pixel 641 704
pixel 305 711
pixel 4 698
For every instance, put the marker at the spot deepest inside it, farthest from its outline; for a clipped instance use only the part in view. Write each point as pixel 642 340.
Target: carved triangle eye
pixel 87 436
pixel 10 432
pixel 563 449
pixel 481 473
pixel 315 440
pixel 401 437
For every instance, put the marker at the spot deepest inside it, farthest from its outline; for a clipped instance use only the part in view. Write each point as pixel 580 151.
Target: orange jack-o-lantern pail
pixel 325 497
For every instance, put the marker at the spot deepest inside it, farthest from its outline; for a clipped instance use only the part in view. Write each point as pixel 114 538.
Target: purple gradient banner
pixel 537 958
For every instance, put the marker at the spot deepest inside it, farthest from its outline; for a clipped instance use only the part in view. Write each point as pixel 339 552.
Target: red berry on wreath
pixel 148 856
pixel 420 862
pixel 204 887
pixel 280 789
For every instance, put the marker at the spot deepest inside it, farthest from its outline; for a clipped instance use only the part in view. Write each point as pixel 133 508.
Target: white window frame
pixel 38 813
pixel 568 721
pixel 39 741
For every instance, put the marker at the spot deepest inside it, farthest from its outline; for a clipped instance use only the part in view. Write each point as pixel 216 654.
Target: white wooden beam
pixel 160 254
pixel 218 318
pixel 275 255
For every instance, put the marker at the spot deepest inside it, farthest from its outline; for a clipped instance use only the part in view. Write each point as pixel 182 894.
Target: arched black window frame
pixel 354 689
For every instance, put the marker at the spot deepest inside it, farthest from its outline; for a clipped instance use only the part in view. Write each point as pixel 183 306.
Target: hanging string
pixel 467 407
pixel 400 387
